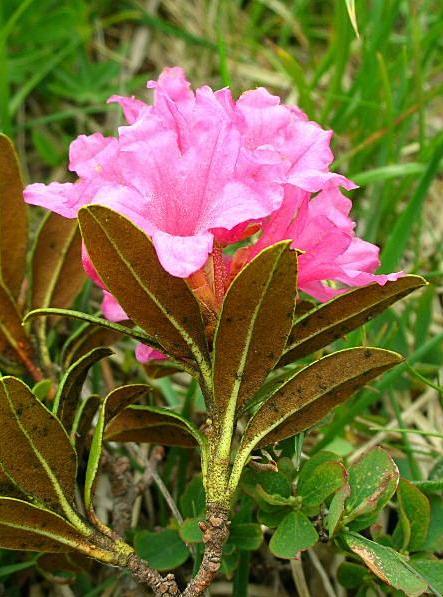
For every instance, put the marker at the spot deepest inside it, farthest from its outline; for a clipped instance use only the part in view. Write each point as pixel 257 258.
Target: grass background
pixel 376 81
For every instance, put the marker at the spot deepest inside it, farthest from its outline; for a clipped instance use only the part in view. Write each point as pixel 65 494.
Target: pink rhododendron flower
pixel 198 171
pixel 322 229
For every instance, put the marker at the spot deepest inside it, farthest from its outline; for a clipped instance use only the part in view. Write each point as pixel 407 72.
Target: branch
pixel 162 586
pixel 215 534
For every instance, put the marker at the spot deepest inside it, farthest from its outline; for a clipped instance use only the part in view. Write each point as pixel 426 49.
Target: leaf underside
pixel 314 391
pixel 254 325
pixel 12 332
pixel 343 314
pixel 27 527
pixel 13 219
pixel 159 303
pixel 57 272
pixel 35 451
pixel 114 403
pixel 150 425
pixel 70 388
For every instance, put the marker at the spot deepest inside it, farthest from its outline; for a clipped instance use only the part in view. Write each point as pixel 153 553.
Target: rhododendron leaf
pixel 86 338
pixel 343 314
pixel 255 321
pixel 337 508
pixel 387 564
pixel 295 533
pixel 151 424
pixel 81 426
pixel 121 397
pixel 159 303
pixel 7 487
pixel 57 271
pixel 373 480
pixel 415 510
pixel 35 451
pixel 69 390
pixel 12 332
pixel 13 219
pixel 97 321
pixel 114 402
pixel 24 526
pixel 314 391
pixel 70 562
pixel 325 480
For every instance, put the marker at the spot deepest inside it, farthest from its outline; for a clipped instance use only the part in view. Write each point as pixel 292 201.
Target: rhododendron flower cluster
pixel 198 171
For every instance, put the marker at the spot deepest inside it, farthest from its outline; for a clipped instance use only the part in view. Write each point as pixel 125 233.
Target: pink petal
pixel 145 354
pixel 62 198
pixel 133 108
pixel 89 268
pixel 181 256
pixel 111 308
pixel 89 155
pixel 314 181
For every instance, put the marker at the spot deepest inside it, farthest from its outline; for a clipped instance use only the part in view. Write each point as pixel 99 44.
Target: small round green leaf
pixel 163 550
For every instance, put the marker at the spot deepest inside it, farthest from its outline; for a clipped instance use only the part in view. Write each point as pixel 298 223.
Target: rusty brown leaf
pixel 145 424
pixel 24 526
pixel 69 391
pixel 35 450
pixel 314 391
pixel 254 325
pixel 343 314
pixel 57 271
pixel 159 303
pixel 13 219
pixel 13 338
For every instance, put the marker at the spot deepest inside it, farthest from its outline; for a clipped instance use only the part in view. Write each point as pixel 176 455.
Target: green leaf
pixel 159 303
pixel 13 220
pixel 42 462
pixel 416 509
pixel 246 536
pixel 163 550
pixel 273 483
pixel 272 518
pixel 111 406
pixel 435 537
pixel 151 424
pixel 352 576
pixel 387 564
pixel 71 384
pixel 28 527
pixel 313 462
pixel 434 486
pixel 273 499
pixel 253 328
pixel 373 481
pixel 57 271
pixel 42 389
pixel 190 531
pixel 337 509
pixel 313 392
pixel 343 314
pixel 13 568
pixel 295 533
pixel 325 480
pixel 431 570
pixel 193 500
